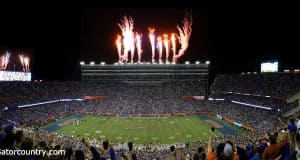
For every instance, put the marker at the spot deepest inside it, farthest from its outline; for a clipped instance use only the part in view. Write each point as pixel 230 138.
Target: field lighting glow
pixel 207 62
pixel 92 63
pixel 48 102
pixel 252 105
pixel 187 62
pixel 197 62
pixel 81 63
pixel 102 63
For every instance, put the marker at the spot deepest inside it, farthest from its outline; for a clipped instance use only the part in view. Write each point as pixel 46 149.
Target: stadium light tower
pixel 92 63
pixel 81 63
pixel 207 62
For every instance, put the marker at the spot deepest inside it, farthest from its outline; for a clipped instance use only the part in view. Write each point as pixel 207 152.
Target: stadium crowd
pixel 40 115
pixel 270 146
pixel 270 138
pixel 268 84
pixel 259 101
pixel 263 122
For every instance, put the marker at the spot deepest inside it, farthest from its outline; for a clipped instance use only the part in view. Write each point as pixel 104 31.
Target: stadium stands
pixel 281 85
pixel 126 97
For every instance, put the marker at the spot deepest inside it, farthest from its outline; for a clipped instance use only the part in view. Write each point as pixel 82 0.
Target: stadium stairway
pixel 293 98
pixel 293 111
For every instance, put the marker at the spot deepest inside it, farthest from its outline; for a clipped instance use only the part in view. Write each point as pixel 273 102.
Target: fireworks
pixel 118 43
pixel 129 41
pixel 185 32
pixel 166 44
pixel 160 48
pixel 24 62
pixel 152 42
pixel 126 27
pixel 138 38
pixel 7 65
pixel 4 61
pixel 173 42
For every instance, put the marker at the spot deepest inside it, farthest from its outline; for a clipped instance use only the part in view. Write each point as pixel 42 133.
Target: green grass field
pixel 140 130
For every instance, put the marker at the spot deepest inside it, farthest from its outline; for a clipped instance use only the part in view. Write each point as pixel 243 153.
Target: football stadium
pixel 148 103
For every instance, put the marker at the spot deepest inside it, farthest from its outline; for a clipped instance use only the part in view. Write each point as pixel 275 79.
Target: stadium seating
pixel 125 99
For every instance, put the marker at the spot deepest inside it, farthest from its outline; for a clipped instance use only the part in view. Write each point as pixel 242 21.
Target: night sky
pixel 234 40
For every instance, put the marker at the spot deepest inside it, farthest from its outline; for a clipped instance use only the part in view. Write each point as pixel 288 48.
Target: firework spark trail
pixel 118 43
pixel 22 61
pixel 185 32
pixel 166 44
pixel 5 60
pixel 126 27
pixel 3 57
pixel 138 38
pixel 160 48
pixel 152 41
pixel 173 42
pixel 132 48
pixel 2 62
pixel 26 63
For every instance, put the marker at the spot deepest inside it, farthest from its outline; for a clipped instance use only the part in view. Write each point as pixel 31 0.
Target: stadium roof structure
pixel 146 72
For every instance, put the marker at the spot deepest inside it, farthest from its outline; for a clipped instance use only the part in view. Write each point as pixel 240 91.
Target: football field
pixel 150 130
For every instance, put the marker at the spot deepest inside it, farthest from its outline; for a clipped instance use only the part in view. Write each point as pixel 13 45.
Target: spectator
pixel 273 150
